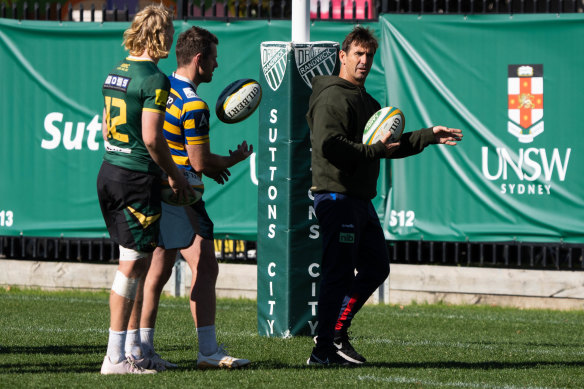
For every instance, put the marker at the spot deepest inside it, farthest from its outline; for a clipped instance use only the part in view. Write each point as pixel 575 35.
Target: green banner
pixel 511 178
pixel 288 234
pixel 513 85
pixel 51 76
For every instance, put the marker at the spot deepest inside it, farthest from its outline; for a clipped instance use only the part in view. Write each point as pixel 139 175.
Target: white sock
pixel 207 340
pixel 115 346
pixel 147 341
pixel 132 345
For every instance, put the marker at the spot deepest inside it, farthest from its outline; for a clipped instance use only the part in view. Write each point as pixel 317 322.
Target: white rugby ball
pixel 386 119
pixel 195 182
pixel 238 100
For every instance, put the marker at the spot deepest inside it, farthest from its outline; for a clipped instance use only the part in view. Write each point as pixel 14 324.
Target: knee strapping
pixel 124 286
pixel 131 254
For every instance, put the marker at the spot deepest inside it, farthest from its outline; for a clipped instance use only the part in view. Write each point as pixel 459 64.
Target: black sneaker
pixel 346 350
pixel 327 356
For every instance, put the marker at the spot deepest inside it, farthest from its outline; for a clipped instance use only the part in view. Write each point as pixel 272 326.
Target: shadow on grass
pixel 77 367
pixel 53 349
pixel 486 365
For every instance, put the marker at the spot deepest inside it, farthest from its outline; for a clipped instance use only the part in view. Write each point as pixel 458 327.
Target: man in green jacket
pixel 344 181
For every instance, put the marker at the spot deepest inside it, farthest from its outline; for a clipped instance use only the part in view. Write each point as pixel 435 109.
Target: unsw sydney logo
pixel 312 59
pixel 527 171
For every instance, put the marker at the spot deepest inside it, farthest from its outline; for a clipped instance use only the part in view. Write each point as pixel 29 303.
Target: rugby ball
pixel 238 100
pixel 193 179
pixel 386 119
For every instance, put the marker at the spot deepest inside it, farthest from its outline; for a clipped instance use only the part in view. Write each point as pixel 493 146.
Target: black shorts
pixel 130 205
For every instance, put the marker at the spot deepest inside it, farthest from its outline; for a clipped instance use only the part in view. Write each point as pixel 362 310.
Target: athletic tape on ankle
pixel 124 286
pixel 131 254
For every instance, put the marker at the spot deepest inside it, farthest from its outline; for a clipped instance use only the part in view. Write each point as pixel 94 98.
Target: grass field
pixel 58 339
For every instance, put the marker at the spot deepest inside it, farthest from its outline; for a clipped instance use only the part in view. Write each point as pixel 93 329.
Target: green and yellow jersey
pixel 134 86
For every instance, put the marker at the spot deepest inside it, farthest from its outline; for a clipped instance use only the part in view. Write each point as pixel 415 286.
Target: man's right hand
pixel 389 147
pixel 222 177
pixel 181 188
pixel 241 152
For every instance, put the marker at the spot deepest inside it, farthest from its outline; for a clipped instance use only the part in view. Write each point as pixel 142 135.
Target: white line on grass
pixel 408 380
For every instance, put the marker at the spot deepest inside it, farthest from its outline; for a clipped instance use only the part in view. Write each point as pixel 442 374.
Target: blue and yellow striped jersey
pixel 186 121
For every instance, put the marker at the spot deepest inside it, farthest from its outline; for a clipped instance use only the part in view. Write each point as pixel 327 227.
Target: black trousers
pixel 352 239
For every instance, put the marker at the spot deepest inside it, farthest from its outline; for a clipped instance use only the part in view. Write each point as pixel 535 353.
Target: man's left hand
pixel 447 136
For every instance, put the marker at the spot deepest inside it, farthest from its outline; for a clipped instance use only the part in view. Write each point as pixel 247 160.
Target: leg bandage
pixel 124 286
pixel 131 255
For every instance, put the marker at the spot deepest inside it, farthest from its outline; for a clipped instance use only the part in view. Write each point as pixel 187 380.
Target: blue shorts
pixel 179 225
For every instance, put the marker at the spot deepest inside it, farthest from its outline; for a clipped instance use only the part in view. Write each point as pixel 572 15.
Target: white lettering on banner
pixel 271 273
pixel 530 189
pixel 69 141
pixel 6 218
pixel 272 190
pixel 313 294
pixel 272 211
pixel 272 172
pixel 271 325
pixel 311 212
pixel 313 305
pixel 271 288
pixel 312 327
pixel 272 303
pixel 402 218
pixel 527 165
pixel 311 271
pixel 272 134
pixel 271 231
pixel 273 118
pixel 253 176
pixel 273 151
pixel 314 232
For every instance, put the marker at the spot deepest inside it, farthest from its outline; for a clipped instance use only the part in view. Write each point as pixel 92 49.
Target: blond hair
pixel 148 32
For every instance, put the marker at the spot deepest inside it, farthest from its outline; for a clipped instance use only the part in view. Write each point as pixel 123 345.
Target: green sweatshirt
pixel 337 113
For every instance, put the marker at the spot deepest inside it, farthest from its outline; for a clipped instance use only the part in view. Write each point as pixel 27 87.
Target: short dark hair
pixel 361 36
pixel 192 42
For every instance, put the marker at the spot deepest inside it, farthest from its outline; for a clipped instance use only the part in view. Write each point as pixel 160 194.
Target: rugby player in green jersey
pixel 128 184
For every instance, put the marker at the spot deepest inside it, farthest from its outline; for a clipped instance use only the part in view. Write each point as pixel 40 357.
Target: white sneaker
pixel 146 363
pixel 127 366
pixel 157 359
pixel 220 359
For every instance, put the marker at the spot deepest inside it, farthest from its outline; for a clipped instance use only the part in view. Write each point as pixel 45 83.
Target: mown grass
pixel 58 339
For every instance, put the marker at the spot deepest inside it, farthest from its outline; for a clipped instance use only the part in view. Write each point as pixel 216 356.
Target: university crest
pixel 525 101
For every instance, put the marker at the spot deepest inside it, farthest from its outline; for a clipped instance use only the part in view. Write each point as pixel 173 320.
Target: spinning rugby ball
pixel 238 100
pixel 386 119
pixel 195 182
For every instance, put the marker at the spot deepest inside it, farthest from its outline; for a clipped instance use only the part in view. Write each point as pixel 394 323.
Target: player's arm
pixel 154 141
pixel 214 165
pixel 331 136
pixel 104 130
pixel 412 143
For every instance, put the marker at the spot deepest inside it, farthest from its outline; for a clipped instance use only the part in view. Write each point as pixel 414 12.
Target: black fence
pixel 102 250
pixel 282 9
pixel 518 255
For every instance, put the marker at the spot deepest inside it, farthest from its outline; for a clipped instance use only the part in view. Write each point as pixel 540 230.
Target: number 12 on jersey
pixel 118 120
